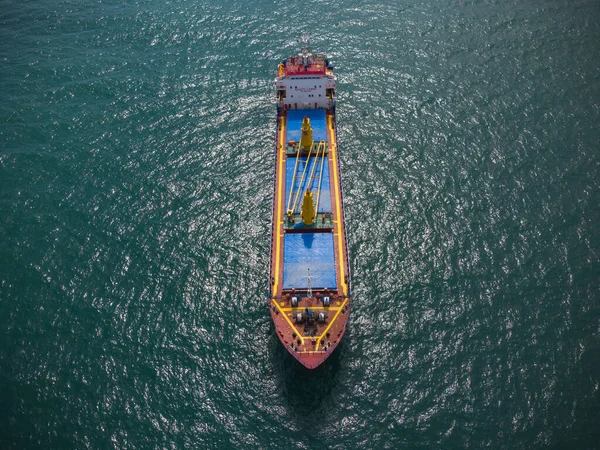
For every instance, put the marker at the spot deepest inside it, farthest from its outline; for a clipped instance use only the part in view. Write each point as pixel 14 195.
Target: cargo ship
pixel 309 293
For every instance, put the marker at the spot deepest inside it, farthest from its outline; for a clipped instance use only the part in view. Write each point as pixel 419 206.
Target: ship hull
pixel 322 248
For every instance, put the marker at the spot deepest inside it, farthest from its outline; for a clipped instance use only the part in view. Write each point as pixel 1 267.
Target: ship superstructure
pixel 309 295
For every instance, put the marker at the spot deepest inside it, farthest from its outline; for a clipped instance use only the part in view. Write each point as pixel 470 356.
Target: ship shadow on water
pixel 308 394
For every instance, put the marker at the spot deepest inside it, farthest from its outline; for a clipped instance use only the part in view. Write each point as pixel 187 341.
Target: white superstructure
pixel 305 81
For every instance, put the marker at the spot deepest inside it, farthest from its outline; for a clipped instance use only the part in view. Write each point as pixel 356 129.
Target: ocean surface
pixel 136 171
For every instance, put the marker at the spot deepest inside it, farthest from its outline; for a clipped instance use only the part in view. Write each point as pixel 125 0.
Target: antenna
pixel 305 41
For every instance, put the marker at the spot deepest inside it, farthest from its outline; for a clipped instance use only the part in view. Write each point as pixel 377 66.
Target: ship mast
pixel 305 41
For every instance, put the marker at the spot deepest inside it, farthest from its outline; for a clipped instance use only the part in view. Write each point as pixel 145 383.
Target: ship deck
pixel 295 67
pixel 320 248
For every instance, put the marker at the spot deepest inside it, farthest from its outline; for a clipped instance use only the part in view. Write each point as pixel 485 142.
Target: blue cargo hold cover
pixel 303 251
pixel 317 123
pixel 325 197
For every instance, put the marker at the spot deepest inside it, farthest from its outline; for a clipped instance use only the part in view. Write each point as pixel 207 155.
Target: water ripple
pixel 136 175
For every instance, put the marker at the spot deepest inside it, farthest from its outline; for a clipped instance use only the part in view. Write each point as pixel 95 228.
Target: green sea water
pixel 136 171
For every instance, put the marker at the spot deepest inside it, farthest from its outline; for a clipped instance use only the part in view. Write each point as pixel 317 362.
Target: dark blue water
pixel 136 144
